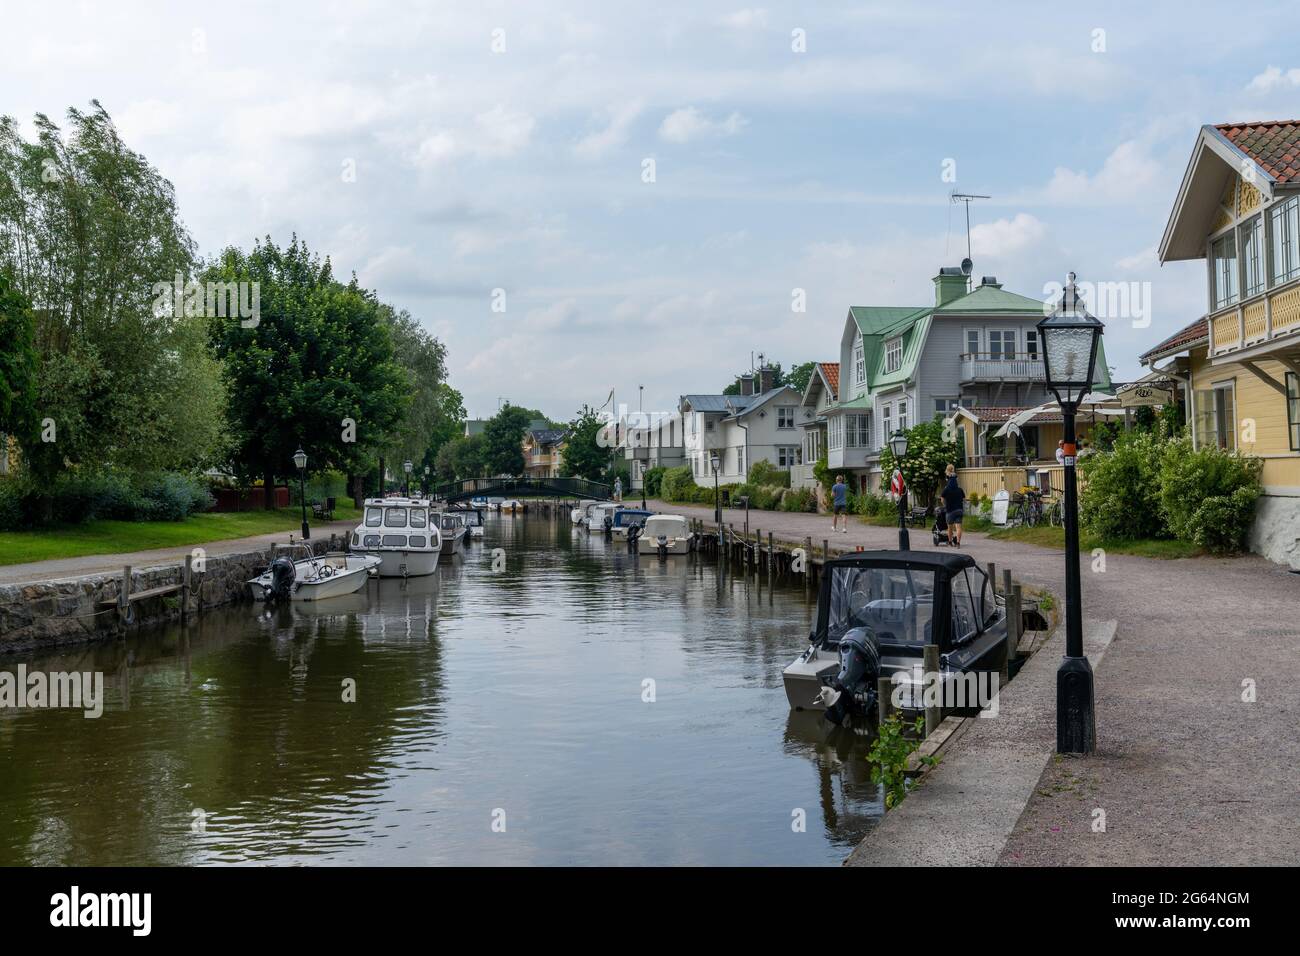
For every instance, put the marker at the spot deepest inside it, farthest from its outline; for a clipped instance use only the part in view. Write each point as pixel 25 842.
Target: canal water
pixel 576 705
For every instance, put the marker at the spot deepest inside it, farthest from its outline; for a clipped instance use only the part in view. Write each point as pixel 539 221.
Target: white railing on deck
pixel 982 366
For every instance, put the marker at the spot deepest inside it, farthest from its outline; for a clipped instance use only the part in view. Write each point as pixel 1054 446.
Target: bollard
pixel 933 715
pixel 1014 622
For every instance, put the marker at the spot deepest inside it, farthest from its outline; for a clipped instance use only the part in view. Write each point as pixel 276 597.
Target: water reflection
pixel 474 690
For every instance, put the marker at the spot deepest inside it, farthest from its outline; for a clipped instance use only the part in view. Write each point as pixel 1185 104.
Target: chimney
pixel 949 284
pixel 766 379
pixel 991 281
pixel 746 384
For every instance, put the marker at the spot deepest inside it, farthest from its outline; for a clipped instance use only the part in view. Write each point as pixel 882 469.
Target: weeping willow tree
pixel 88 228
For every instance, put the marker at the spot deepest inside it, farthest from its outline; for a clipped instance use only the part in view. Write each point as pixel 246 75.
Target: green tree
pixel 583 456
pixel 88 232
pixel 316 371
pixel 460 458
pixel 929 454
pixel 800 375
pixel 503 440
pixel 18 363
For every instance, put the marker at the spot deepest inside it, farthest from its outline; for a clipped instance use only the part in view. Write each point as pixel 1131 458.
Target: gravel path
pixel 1185 770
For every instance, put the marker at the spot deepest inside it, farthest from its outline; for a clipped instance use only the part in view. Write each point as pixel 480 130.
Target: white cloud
pixel 1006 237
pixel 613 135
pixel 1129 172
pixel 497 133
pixel 748 18
pixel 1274 78
pixel 688 123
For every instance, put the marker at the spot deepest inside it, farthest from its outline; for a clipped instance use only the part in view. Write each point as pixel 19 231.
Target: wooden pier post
pixel 1014 621
pixel 885 706
pixel 124 593
pixel 771 555
pixel 993 578
pixel 186 578
pixel 933 715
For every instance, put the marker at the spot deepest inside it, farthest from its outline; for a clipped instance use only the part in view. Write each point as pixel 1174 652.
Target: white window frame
pixel 893 354
pixel 979 341
pixel 886 422
pixel 859 364
pixel 1254 228
pixel 1004 337
pixel 785 416
pixel 902 414
pixel 1283 242
pixel 1223 273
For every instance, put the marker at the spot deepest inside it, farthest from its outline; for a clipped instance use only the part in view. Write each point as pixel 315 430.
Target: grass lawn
pixel 118 537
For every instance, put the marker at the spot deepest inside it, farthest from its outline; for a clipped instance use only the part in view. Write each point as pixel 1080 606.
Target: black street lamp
pixel 300 462
pixel 406 467
pixel 898 445
pixel 717 500
pixel 1069 338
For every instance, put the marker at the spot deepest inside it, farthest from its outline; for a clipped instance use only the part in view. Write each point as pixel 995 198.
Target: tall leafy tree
pixel 503 440
pixel 800 375
pixel 424 361
pixel 316 371
pixel 18 364
pixel 88 228
pixel 583 455
pixel 460 458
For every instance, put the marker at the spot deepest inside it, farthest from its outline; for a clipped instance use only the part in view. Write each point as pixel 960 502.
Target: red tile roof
pixel 1001 413
pixel 1192 334
pixel 1274 145
pixel 831 372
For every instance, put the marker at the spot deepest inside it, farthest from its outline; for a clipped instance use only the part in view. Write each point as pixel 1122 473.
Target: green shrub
pixel 823 474
pixel 677 483
pixel 74 498
pixel 800 499
pixel 873 505
pixel 1121 489
pixel 766 473
pixel 653 480
pixel 1208 495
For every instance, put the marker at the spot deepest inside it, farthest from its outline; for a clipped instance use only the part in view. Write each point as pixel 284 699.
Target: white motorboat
pixel 403 533
pixel 313 577
pixel 597 514
pixel 453 532
pixel 494 503
pixel 473 521
pixel 664 535
pixel 579 513
pixel 512 506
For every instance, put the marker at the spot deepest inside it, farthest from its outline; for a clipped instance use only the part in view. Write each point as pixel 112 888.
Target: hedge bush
pixel 75 498
pixel 653 480
pixel 1150 486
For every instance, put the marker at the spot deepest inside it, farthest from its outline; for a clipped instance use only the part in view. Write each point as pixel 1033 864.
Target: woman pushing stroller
pixel 954 500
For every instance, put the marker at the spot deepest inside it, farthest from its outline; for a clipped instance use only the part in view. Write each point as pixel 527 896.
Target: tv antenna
pixel 955 196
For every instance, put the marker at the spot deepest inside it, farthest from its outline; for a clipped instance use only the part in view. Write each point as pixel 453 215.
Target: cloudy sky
pixel 443 151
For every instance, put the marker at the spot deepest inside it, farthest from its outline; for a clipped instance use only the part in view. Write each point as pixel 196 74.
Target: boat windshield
pixel 895 604
pixel 418 517
pixel 374 516
pixel 394 517
pixel 449 522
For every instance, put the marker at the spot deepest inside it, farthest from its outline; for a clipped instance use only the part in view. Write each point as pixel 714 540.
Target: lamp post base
pixel 1076 719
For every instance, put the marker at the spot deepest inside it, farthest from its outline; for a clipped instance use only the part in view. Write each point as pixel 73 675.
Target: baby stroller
pixel 940 529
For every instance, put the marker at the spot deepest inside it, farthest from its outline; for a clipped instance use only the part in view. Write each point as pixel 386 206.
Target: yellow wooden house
pixel 1238 208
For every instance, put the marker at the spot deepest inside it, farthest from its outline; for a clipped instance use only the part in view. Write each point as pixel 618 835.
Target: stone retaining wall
pixel 72 610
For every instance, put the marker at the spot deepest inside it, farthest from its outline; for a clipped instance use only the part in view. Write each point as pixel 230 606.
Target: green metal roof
pixel 872 319
pixel 995 301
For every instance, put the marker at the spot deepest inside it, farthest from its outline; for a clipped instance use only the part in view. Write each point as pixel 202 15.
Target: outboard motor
pixel 609 525
pixel 856 680
pixel 282 578
pixel 662 543
pixel 633 533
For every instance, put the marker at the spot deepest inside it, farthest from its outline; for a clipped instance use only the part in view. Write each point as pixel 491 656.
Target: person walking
pixel 954 500
pixel 839 504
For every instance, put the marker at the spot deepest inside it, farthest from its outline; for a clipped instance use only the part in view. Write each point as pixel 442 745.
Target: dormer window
pixel 894 355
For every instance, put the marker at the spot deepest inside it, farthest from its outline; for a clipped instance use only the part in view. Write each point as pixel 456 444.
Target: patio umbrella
pixel 1093 399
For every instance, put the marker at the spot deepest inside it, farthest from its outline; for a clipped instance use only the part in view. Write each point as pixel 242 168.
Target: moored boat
pixel 313 577
pixel 627 518
pixel 876 612
pixel 453 532
pixel 403 533
pixel 664 535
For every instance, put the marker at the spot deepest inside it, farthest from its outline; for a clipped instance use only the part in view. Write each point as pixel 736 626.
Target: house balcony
pixel 1001 367
pixel 1258 327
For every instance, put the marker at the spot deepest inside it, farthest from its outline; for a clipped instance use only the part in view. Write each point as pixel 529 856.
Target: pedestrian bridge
pixel 523 488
